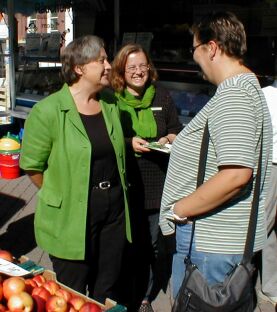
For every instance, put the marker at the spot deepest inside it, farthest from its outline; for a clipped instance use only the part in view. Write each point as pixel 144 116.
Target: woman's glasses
pixel 132 69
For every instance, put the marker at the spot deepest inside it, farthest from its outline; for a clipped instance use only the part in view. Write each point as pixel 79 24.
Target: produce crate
pixel 110 305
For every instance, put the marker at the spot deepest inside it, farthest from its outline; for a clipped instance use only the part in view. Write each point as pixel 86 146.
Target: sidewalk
pixel 17 202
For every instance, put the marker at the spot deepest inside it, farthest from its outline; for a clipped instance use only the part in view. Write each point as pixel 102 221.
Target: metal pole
pixel 11 27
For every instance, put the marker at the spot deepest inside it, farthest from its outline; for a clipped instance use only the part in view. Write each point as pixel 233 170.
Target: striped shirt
pixel 236 114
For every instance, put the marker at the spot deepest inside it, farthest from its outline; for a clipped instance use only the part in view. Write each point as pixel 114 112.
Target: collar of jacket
pixel 68 104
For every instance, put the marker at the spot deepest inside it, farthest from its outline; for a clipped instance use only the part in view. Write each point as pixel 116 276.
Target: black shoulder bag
pixel 235 293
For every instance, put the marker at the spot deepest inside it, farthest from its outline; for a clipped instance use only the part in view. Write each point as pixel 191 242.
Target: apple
pixel 1 291
pixel 56 304
pixel 77 302
pixel 22 302
pixel 71 309
pixel 13 285
pixel 39 279
pixel 39 304
pixel 51 286
pixel 30 285
pixel 2 308
pixel 41 292
pixel 40 296
pixel 64 293
pixel 5 254
pixel 90 307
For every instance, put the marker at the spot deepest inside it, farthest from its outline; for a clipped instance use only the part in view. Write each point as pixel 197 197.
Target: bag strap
pixel 249 244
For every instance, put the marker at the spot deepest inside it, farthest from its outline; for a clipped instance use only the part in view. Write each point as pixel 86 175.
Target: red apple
pixel 64 293
pixel 1 291
pixel 56 304
pixel 41 292
pixel 2 308
pixel 39 304
pixel 71 309
pixel 5 254
pixel 90 307
pixel 77 302
pixel 12 286
pixel 39 279
pixel 20 302
pixel 30 285
pixel 40 296
pixel 51 286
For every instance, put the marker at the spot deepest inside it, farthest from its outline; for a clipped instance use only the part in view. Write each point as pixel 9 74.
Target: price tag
pixel 9 268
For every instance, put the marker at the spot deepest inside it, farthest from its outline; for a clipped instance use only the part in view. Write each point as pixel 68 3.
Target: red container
pixel 9 166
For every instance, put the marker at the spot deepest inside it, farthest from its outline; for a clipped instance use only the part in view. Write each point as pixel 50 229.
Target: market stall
pixel 84 11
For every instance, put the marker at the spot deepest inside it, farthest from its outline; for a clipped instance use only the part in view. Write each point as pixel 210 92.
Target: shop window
pixel 32 23
pixel 54 21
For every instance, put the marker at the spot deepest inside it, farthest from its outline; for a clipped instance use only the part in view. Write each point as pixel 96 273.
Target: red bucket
pixel 9 166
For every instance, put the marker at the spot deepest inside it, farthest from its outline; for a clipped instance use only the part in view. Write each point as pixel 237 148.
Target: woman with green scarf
pixel 148 114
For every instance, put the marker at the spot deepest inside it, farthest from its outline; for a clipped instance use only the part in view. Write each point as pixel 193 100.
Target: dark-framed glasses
pixel 192 49
pixel 133 68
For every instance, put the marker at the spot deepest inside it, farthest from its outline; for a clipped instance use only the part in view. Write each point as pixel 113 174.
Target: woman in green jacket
pixel 73 150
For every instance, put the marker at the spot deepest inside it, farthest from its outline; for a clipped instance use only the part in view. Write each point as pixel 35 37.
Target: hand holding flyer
pixel 165 148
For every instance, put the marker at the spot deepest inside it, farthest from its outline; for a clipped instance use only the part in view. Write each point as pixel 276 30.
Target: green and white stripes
pixel 236 115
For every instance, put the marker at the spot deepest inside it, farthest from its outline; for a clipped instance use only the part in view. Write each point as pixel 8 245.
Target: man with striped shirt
pixel 237 117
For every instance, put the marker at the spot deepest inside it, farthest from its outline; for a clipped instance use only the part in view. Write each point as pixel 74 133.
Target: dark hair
pixel 80 51
pixel 224 28
pixel 118 66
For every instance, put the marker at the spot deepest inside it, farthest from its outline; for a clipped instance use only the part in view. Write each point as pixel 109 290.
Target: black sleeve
pixel 167 120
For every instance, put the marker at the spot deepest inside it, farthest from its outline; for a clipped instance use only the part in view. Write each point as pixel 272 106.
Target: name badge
pixel 156 108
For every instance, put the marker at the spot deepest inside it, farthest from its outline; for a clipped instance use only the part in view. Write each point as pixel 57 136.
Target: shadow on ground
pixel 19 237
pixel 10 205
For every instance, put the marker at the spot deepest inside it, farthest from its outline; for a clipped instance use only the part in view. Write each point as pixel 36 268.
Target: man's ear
pixel 212 48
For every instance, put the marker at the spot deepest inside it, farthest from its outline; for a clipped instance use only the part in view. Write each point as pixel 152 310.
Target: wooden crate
pixel 109 306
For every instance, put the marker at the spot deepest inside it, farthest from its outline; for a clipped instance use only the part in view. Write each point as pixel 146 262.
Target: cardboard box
pixel 51 276
pixel 110 305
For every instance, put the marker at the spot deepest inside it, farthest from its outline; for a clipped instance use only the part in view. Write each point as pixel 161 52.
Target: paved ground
pixel 17 205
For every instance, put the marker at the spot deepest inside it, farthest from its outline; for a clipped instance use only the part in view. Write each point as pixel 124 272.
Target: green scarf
pixel 137 116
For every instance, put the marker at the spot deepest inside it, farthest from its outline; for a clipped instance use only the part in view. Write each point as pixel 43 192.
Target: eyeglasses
pixel 192 49
pixel 132 69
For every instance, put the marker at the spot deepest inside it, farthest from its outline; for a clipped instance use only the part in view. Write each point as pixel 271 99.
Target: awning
pixel 28 7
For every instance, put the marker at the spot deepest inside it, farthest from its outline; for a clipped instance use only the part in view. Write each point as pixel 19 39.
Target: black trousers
pixel 148 260
pixel 98 274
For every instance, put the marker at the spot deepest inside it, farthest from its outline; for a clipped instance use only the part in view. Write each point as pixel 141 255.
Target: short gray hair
pixel 80 51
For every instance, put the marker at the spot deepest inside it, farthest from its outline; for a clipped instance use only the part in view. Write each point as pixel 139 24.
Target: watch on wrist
pixel 176 217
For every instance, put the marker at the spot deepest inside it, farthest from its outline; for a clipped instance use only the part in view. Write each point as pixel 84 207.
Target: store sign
pixel 59 6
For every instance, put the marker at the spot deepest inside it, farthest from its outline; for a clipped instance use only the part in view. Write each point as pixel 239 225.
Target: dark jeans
pixel 99 272
pixel 153 223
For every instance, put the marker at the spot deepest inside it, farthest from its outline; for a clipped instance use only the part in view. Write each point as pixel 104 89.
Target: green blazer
pixel 55 142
